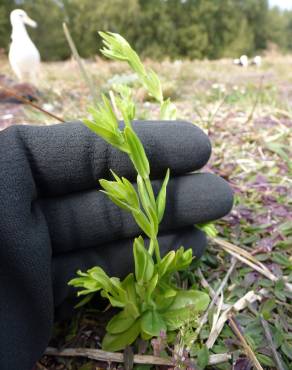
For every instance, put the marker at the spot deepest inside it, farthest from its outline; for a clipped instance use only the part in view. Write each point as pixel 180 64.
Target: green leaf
pixel 147 204
pixel 203 357
pixel 98 274
pixel 286 347
pixel 120 323
pixel 122 192
pixel 267 308
pixel 265 360
pixel 153 85
pixel 195 299
pixel 120 203
pixel 175 319
pixel 118 48
pixel 165 263
pixel 209 228
pixel 117 342
pixel 152 323
pixel 182 259
pixel 132 305
pixel 282 259
pixel 137 153
pixel 84 301
pixel 114 301
pixel 111 137
pixel 143 222
pixel 144 265
pixel 185 307
pixel 151 286
pixel 161 198
pixel 125 104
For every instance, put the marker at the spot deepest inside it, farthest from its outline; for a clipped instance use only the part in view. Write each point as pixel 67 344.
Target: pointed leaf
pixel 138 155
pixel 161 199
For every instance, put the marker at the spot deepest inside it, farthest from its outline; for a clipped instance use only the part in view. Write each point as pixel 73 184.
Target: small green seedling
pixel 149 300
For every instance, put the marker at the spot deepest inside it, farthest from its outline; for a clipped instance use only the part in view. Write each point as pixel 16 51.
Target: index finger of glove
pixel 68 157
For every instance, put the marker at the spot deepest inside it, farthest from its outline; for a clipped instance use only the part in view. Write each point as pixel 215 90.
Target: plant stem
pixel 154 247
pixel 157 251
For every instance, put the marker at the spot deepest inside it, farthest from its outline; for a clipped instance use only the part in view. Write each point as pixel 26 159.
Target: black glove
pixel 53 221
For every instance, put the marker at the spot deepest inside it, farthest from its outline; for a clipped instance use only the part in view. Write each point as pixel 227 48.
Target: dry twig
pixel 214 299
pixel 242 303
pixel 13 94
pixel 100 355
pixel 249 352
pixel 249 260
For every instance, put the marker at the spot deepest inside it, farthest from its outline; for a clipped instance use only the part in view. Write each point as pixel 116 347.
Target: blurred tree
pixel 5 29
pixel 156 28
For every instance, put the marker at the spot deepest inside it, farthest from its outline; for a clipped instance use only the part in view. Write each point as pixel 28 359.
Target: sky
pixel 283 4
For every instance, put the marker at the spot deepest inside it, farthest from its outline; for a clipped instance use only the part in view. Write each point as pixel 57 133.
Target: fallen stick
pixel 100 355
pixel 249 352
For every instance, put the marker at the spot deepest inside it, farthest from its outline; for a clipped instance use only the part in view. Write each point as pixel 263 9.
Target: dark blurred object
pixel 9 87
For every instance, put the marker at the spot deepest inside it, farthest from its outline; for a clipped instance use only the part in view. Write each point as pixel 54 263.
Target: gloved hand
pixel 53 220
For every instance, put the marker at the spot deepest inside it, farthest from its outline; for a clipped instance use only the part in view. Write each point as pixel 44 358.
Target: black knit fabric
pixel 53 221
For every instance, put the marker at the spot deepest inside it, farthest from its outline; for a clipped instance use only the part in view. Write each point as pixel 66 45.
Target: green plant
pixel 149 299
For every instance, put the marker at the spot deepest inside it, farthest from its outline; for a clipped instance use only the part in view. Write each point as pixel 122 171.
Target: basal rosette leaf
pixel 152 323
pixel 185 307
pixel 120 323
pixel 117 342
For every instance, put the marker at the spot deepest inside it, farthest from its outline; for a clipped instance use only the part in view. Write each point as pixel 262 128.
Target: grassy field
pixel 247 113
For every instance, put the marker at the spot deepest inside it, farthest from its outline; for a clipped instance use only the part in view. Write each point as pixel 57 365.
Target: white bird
pixel 24 57
pixel 244 61
pixel 257 61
